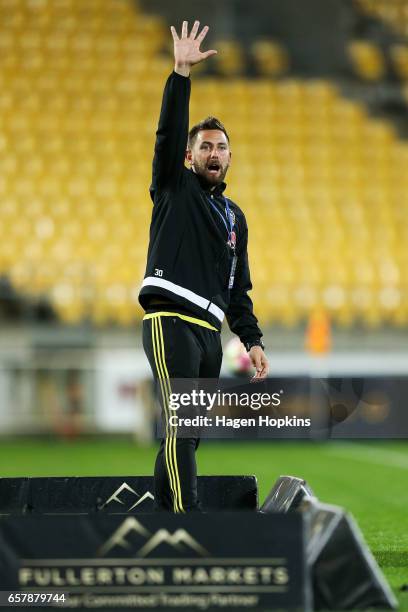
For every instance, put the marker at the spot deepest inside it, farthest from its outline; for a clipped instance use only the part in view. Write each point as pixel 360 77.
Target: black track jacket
pixel 188 260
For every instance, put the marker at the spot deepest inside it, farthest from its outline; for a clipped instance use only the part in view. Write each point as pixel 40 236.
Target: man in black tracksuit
pixel 197 266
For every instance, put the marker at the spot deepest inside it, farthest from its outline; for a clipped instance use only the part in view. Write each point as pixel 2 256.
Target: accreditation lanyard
pixel 229 226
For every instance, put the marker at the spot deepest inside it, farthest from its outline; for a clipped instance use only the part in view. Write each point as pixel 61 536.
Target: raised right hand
pixel 187 48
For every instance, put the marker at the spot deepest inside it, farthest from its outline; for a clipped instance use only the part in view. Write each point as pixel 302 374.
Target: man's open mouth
pixel 214 168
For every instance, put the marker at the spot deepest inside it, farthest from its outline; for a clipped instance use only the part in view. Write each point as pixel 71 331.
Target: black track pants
pixel 177 348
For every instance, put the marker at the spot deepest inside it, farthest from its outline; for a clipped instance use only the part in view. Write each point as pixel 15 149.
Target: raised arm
pixel 172 132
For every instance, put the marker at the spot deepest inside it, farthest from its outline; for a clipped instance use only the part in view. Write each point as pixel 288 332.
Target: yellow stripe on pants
pixel 164 313
pixel 171 432
pixel 160 374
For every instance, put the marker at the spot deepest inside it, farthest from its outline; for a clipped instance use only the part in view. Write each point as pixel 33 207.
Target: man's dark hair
pixel 209 123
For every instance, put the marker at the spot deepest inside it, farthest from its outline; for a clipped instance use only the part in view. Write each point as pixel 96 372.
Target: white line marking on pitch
pixel 376 455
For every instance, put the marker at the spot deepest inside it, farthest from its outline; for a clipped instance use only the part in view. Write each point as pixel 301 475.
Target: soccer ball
pixel 236 358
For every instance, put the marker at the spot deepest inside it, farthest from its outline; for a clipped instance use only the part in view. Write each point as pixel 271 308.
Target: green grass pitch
pixel 369 479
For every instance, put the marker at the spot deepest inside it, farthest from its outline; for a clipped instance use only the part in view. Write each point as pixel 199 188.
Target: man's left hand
pixel 260 363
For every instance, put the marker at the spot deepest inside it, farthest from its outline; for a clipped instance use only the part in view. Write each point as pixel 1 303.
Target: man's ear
pixel 189 156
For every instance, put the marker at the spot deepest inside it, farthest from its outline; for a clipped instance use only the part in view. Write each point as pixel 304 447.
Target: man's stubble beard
pixel 201 170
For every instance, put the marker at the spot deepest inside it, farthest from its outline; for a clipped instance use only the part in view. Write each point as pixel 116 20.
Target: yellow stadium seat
pixel 229 60
pixel 399 54
pixel 271 59
pixel 368 60
pixel 395 12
